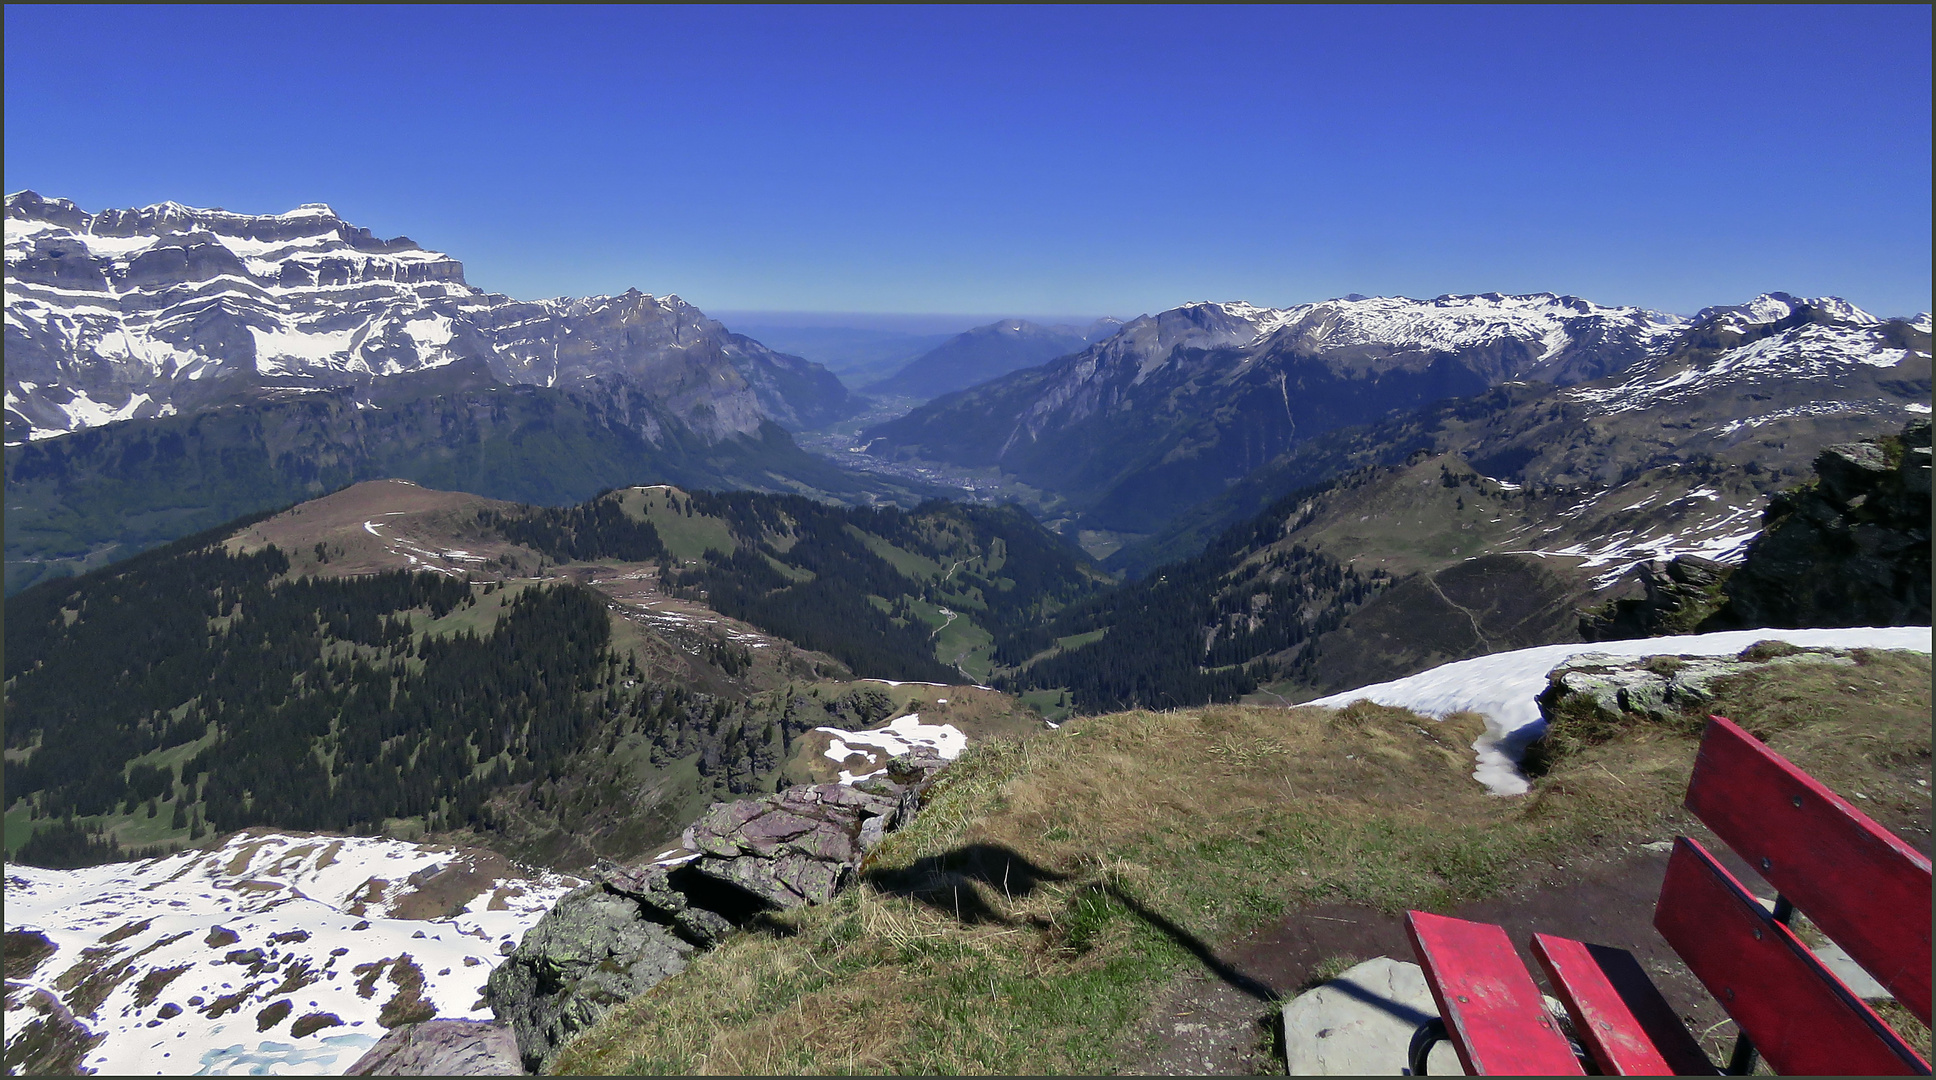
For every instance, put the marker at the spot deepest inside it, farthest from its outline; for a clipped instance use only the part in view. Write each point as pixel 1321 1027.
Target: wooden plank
pixel 1866 889
pixel 1618 1014
pixel 1494 1016
pixel 1802 1019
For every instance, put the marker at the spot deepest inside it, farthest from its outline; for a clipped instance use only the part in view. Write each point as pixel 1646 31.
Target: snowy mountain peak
pixel 1796 340
pixel 1453 322
pixel 135 313
pixel 1773 307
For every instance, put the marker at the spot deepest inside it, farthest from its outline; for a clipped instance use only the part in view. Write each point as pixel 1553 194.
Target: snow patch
pixel 1503 687
pixel 946 741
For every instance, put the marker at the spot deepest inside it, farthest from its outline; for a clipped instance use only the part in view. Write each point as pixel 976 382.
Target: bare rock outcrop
pixel 1850 549
pixel 800 846
pixel 1593 696
pixel 638 925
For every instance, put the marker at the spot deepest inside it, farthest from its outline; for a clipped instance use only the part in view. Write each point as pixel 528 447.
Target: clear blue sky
pixel 1026 159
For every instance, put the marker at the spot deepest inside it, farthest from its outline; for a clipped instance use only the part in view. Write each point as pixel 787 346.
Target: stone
pixel 595 949
pixel 1362 1022
pixel 789 881
pixel 443 1048
pixel 1851 469
pixel 637 925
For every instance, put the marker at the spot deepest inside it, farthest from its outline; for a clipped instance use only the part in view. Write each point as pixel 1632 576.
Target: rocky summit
pixel 167 309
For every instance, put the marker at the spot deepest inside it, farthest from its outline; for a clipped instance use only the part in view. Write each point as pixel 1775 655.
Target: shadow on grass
pixel 937 881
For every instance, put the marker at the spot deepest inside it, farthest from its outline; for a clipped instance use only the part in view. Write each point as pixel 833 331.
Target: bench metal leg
pixel 1428 1035
pixel 1742 1061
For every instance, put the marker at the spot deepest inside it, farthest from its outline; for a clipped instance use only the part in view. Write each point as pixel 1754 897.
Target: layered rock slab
pixel 639 925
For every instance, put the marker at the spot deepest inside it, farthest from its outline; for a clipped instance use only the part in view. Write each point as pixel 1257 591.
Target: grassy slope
pixel 1054 885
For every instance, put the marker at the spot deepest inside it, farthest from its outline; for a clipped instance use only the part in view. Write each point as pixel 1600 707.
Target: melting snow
pixel 897 738
pixel 301 913
pixel 1503 686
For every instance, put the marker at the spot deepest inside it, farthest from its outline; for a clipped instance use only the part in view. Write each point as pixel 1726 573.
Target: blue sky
pixel 1012 160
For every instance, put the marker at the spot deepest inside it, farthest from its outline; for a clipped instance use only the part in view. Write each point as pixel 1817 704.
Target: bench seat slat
pixel 1866 889
pixel 1494 1015
pixel 1802 1019
pixel 1618 1015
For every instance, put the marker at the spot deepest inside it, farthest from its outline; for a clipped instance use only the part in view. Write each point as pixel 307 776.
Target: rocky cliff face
pixel 1850 549
pixel 125 314
pixel 613 940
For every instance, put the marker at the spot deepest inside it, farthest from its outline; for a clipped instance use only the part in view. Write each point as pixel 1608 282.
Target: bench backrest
pixel 1798 1014
pixel 1866 889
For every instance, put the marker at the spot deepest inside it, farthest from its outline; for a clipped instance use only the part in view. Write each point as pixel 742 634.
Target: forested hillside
pixel 1209 628
pixel 215 686
pixel 926 594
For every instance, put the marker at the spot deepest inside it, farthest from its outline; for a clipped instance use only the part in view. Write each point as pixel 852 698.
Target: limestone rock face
pixel 1852 549
pixel 443 1048
pixel 597 948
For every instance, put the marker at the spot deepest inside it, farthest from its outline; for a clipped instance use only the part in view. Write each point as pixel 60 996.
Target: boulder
pixel 597 948
pixel 1361 1024
pixel 443 1048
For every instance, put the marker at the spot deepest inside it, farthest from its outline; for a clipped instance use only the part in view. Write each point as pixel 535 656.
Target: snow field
pixel 1503 687
pixel 267 917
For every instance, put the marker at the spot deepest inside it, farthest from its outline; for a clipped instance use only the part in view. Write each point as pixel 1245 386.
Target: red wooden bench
pixel 1867 891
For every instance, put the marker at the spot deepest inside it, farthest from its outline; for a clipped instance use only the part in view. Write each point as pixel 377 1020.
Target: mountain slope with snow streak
pixel 1760 388
pixel 1137 427
pixel 125 314
pixel 1503 687
pixel 183 964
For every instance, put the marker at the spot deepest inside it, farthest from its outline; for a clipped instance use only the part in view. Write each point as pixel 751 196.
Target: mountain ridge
pixel 137 313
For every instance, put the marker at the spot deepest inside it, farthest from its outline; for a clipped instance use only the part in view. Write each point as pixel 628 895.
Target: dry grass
pixel 1054 884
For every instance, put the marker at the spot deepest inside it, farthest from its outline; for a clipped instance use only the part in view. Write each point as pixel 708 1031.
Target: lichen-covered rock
pixel 1592 696
pixel 443 1048
pixel 597 948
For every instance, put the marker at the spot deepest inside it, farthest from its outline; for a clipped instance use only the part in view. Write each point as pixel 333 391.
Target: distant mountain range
pixel 987 352
pixel 1132 434
pixel 170 368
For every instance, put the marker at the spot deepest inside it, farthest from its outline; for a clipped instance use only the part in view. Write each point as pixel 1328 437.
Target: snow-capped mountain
pixel 136 313
pixel 1774 343
pixel 1755 390
pixel 1177 404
